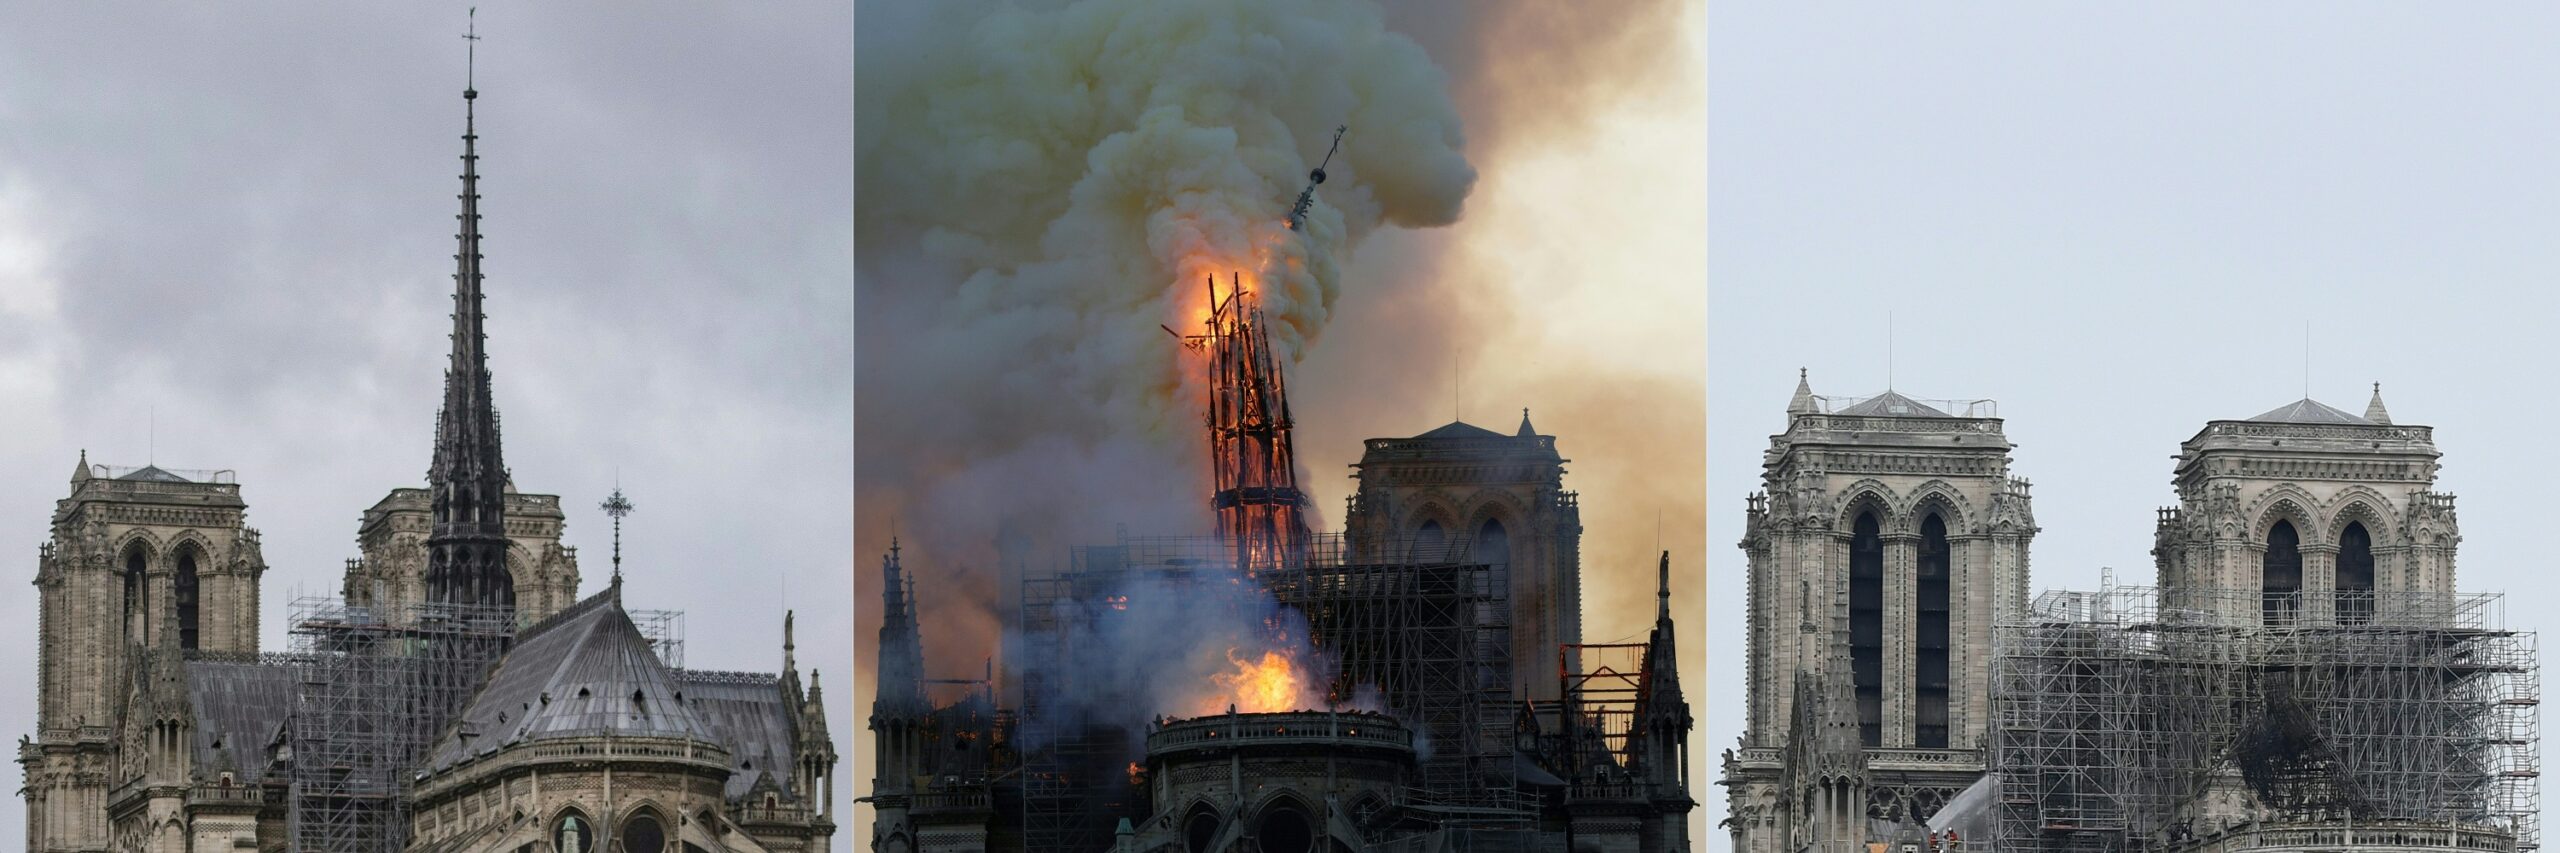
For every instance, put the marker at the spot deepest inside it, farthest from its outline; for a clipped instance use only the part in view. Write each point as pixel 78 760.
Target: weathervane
pixel 617 506
pixel 470 53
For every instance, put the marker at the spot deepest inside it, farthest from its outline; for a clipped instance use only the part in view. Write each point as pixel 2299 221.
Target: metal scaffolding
pixel 377 688
pixel 2133 719
pixel 1431 636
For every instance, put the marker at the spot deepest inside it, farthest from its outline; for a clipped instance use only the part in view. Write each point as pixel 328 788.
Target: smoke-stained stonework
pixel 458 698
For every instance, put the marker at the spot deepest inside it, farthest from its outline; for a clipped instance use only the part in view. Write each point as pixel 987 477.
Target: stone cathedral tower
pixel 1900 518
pixel 2306 515
pixel 1486 497
pixel 144 563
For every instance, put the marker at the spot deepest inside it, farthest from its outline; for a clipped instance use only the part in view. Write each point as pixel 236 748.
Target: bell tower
pixel 1468 493
pixel 1898 518
pixel 141 560
pixel 2306 514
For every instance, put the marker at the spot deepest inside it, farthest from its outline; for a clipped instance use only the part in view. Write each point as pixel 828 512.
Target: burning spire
pixel 1261 512
pixel 1307 197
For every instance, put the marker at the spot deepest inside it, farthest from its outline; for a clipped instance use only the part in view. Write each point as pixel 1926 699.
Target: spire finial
pixel 1802 402
pixel 2374 411
pixel 471 54
pixel 618 506
pixel 1662 589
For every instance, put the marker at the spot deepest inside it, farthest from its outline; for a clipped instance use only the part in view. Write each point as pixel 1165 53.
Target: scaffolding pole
pixel 376 689
pixel 2136 719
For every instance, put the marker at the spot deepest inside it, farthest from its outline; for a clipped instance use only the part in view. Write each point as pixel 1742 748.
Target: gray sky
pixel 2116 222
pixel 243 217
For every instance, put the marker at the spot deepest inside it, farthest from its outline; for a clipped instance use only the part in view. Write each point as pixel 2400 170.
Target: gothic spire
pixel 1802 402
pixel 2374 411
pixel 901 644
pixel 468 477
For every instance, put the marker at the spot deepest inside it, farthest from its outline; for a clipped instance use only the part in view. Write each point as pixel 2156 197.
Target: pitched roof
pixel 1893 405
pixel 155 474
pixel 2309 411
pixel 239 707
pixel 748 714
pixel 1462 429
pixel 585 671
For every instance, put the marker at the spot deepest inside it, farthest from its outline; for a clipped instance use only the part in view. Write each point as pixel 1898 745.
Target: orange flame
pixel 1263 686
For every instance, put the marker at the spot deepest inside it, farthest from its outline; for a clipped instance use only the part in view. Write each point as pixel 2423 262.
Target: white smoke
pixel 1040 186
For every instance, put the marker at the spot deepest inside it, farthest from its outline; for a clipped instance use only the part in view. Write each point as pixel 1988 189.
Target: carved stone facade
pixel 144 564
pixel 1900 518
pixel 1482 496
pixel 392 575
pixel 159 728
pixel 2328 513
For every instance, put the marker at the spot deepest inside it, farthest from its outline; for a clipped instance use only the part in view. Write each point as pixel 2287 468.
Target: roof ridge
pixel 563 615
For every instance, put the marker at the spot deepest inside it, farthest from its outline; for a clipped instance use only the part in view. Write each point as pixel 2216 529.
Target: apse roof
pixel 584 672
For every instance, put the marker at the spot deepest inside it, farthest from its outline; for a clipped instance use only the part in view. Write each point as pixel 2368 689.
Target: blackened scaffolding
pixel 2121 722
pixel 1431 636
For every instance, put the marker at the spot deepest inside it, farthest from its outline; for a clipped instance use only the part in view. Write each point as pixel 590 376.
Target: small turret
pixel 1802 402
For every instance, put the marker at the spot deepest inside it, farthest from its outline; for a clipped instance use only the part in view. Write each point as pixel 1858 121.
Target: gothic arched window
pixel 137 597
pixel 184 598
pixel 643 833
pixel 2355 575
pixel 2280 575
pixel 1430 543
pixel 1493 544
pixel 1929 666
pixel 574 834
pixel 1866 625
pixel 1286 826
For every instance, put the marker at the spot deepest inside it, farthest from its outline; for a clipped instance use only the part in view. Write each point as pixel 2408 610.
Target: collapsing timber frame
pixel 2126 724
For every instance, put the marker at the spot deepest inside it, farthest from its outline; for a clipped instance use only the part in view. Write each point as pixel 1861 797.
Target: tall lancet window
pixel 1430 543
pixel 1929 666
pixel 1866 626
pixel 1493 544
pixel 2355 575
pixel 2280 575
pixel 137 598
pixel 185 598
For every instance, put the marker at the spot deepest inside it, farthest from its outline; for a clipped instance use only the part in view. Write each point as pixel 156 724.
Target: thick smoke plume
pixel 1041 186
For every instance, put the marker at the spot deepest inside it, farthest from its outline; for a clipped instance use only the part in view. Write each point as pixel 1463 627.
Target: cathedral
pixel 460 696
pixel 2303 675
pixel 1449 599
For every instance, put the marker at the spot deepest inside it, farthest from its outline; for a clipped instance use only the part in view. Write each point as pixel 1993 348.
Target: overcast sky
pixel 2116 221
pixel 241 218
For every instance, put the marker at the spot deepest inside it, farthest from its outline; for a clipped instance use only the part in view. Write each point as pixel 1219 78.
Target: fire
pixel 1273 683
